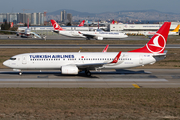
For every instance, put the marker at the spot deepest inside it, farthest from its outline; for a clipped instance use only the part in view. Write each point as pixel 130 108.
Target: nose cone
pixel 6 63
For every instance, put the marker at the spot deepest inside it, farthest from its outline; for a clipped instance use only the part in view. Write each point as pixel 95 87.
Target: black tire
pixel 88 73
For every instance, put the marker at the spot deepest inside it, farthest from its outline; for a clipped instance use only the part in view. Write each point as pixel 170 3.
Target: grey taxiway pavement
pixel 75 46
pixel 148 78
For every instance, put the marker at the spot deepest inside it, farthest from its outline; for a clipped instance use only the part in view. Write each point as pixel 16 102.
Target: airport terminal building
pixel 137 29
pixel 48 30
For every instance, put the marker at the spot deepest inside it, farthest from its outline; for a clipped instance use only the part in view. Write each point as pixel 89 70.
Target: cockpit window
pixel 12 58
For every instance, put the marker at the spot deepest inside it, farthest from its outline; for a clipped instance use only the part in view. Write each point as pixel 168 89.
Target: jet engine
pixel 99 38
pixel 72 70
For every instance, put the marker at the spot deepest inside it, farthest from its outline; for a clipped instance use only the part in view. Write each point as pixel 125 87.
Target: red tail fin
pixel 113 21
pixel 157 43
pixel 82 23
pixel 56 25
pixel 105 49
pixel 12 24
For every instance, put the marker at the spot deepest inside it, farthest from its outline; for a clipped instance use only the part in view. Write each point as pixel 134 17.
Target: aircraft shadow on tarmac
pixel 81 74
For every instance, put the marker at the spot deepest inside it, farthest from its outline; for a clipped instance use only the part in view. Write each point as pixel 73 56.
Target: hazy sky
pixel 91 6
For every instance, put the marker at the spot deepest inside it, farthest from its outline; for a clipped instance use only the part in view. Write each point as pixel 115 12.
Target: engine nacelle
pixel 99 38
pixel 72 70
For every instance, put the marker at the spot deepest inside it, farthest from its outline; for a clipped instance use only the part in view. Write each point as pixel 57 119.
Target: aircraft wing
pixel 9 31
pixel 35 34
pixel 13 31
pixel 95 65
pixel 88 35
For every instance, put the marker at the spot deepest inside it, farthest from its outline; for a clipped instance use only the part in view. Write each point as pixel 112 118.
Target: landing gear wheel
pixel 88 73
pixel 20 73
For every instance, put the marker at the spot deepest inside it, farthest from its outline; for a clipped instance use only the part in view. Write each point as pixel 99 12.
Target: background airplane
pixel 71 63
pixel 174 32
pixel 100 35
pixel 60 30
pixel 81 24
pixel 26 34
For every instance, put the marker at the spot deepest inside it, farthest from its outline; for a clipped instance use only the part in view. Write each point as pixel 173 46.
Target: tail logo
pixel 55 25
pixel 157 45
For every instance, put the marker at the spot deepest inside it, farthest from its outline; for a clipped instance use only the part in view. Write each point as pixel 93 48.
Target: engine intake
pixel 70 70
pixel 99 38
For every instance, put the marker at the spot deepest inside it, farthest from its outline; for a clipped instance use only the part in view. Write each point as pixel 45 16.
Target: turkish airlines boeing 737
pixel 98 34
pixel 74 62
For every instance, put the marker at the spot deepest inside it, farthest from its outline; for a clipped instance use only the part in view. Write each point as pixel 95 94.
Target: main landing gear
pixel 20 73
pixel 88 73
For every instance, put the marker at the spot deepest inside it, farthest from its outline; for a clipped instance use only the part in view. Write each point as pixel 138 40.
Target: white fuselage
pixel 95 35
pixel 105 35
pixel 153 33
pixel 27 32
pixel 56 60
pixel 72 34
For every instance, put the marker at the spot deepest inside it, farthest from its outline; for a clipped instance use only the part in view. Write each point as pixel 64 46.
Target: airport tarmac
pixel 77 46
pixel 131 78
pixel 60 37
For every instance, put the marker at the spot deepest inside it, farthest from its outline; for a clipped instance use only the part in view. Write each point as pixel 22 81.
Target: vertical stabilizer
pixel 81 24
pixel 157 43
pixel 56 26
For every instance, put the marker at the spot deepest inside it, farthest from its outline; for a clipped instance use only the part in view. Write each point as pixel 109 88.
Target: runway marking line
pixel 136 86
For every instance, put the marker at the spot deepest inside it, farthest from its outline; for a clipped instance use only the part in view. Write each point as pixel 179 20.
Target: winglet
pixel 105 49
pixel 56 26
pixel 116 58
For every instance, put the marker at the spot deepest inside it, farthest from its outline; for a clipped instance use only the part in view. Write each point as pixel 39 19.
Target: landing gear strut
pixel 88 73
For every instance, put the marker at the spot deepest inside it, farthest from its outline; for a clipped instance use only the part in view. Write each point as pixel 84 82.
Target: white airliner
pixel 26 34
pixel 100 35
pixel 174 32
pixel 97 34
pixel 74 62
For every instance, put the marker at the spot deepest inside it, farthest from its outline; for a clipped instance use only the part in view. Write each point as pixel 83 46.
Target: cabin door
pixel 24 59
pixel 141 59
